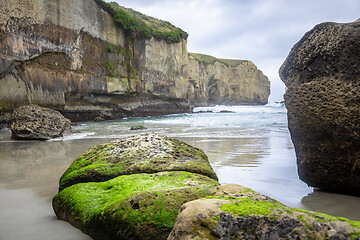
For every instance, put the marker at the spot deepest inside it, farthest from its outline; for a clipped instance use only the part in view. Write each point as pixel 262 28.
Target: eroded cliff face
pixel 230 82
pixel 73 57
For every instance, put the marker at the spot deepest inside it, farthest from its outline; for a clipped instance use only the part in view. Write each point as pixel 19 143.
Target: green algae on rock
pixel 138 127
pixel 235 212
pixel 137 206
pixel 147 153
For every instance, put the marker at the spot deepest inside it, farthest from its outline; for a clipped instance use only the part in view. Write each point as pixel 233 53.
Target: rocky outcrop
pixel 322 76
pixel 132 188
pixel 154 187
pixel 224 81
pixel 74 57
pixel 38 123
pixel 235 212
pixel 148 153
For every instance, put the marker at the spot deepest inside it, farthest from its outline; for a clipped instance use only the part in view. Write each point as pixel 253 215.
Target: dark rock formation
pixel 235 212
pixel 151 176
pixel 37 123
pixel 322 76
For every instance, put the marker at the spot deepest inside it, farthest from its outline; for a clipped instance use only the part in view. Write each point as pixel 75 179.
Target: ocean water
pixel 246 145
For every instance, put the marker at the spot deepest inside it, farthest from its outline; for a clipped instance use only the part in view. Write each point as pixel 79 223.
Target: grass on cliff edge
pixel 207 59
pixel 148 27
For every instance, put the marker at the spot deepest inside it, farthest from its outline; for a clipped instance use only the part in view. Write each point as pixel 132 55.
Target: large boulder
pixel 322 76
pixel 147 153
pixel 235 212
pixel 132 188
pixel 34 122
pixel 137 206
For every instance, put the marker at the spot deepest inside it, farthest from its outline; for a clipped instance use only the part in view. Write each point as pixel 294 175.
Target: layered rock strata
pixel 225 81
pixel 73 57
pixel 322 76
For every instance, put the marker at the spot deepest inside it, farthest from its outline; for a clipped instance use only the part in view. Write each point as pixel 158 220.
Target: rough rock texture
pixel 150 178
pixel 322 76
pixel 137 206
pixel 147 153
pixel 71 56
pixel 235 212
pixel 34 122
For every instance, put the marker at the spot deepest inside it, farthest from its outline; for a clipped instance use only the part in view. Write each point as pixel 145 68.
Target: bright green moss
pixel 300 210
pixel 132 202
pixel 301 218
pixel 138 127
pixel 107 161
pixel 247 206
pixel 352 223
pixel 248 191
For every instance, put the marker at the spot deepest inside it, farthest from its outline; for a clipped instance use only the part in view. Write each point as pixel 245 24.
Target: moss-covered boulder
pixel 137 206
pixel 235 212
pixel 132 188
pixel 147 153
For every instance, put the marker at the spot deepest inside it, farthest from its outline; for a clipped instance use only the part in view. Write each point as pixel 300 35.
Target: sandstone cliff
pixel 322 76
pixel 226 81
pixel 74 57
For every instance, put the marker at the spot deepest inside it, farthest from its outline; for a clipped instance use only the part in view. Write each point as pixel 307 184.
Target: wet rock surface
pixel 132 188
pixel 235 212
pixel 321 74
pixel 37 123
pixel 146 153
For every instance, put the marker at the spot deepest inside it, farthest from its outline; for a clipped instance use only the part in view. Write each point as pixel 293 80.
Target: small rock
pixel 138 127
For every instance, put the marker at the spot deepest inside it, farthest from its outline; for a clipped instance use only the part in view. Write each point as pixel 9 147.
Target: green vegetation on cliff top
pixel 145 26
pixel 207 59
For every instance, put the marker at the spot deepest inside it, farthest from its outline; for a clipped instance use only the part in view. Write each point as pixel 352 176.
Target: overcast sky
pixel 262 31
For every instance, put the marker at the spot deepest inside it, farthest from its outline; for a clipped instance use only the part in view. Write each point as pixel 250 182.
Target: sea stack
pixel 322 76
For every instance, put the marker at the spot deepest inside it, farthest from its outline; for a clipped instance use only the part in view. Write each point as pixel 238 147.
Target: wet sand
pixel 261 158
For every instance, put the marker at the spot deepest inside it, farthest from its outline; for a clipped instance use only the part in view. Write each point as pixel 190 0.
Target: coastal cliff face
pixel 73 57
pixel 225 81
pixel 321 74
